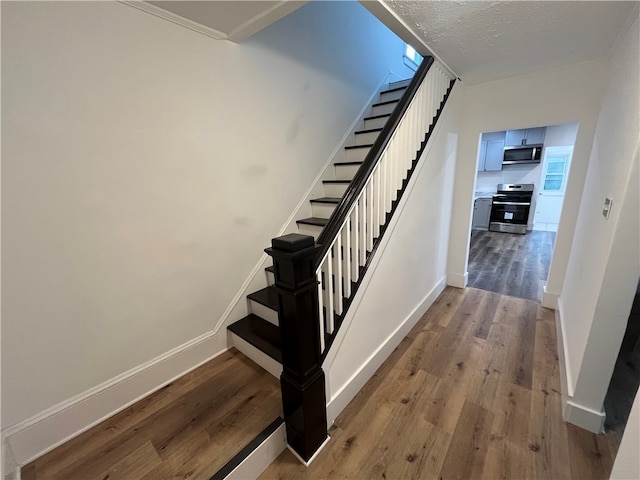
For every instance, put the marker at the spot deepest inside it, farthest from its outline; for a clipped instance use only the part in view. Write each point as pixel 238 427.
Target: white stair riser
pixel 356 154
pixel 257 355
pixel 335 189
pixel 382 109
pixel 346 172
pixel 263 312
pixel 322 210
pixel 271 279
pixel 313 230
pixel 366 138
pixel 400 83
pixel 375 122
pixel 396 95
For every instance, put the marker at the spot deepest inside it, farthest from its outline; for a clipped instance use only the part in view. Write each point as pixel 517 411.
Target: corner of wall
pixel 457 280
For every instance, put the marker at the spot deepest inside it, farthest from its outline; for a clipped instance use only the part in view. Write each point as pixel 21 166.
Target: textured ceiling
pixel 482 41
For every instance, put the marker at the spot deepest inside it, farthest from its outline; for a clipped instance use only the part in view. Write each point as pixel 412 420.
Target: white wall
pixel 408 272
pixel 145 167
pixel 604 265
pixel 568 94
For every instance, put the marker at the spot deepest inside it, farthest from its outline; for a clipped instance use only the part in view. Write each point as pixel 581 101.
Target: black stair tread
pixel 369 130
pixel 335 200
pixel 320 222
pixel 373 117
pixel 386 102
pixel 351 147
pixel 337 181
pixel 270 269
pixel 348 163
pixel 263 335
pixel 267 296
pixel 394 89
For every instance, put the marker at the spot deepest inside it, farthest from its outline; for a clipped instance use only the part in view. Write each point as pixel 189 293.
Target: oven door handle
pixel 525 204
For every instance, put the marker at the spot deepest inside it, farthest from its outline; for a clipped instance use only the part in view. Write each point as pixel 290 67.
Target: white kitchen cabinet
pixel 491 152
pixel 481 213
pixel 525 136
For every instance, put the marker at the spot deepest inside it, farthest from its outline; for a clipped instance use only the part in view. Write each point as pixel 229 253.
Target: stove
pixel 510 208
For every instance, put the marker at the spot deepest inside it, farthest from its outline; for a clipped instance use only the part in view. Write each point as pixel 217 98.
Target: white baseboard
pixel 349 390
pixel 549 299
pixel 42 433
pixel 261 457
pixel 572 411
pixel 583 417
pixel 457 280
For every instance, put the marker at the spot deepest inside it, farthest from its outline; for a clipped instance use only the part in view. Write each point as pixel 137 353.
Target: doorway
pixel 514 264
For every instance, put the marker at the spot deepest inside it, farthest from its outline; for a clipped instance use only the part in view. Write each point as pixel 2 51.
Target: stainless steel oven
pixel 510 208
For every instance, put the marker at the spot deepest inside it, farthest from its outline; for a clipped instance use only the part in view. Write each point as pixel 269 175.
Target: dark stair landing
pixel 263 335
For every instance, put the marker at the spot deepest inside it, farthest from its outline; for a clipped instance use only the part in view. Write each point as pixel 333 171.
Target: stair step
pixel 270 272
pixel 367 136
pixel 376 121
pixel 400 83
pixel 346 170
pixel 335 188
pixel 311 226
pixel 324 207
pixel 382 108
pixel 264 303
pixel 260 333
pixel 356 153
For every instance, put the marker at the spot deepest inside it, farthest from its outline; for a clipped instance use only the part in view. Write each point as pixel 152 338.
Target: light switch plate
pixel 607 207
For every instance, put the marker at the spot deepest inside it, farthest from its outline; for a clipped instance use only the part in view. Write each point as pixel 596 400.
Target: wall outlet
pixel 607 207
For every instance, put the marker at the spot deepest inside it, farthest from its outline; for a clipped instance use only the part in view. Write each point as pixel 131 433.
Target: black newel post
pixel 302 379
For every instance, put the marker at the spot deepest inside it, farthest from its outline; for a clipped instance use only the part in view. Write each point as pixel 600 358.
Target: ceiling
pixel 479 41
pixel 483 41
pixel 222 19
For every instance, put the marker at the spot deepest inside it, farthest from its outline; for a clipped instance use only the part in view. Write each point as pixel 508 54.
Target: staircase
pixel 317 278
pixel 257 335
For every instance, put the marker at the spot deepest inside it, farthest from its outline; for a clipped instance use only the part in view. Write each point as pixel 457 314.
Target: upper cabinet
pixel 525 136
pixel 491 152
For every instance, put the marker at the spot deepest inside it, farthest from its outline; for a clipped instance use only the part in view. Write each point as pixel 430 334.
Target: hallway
pixel 472 392
pixel 511 264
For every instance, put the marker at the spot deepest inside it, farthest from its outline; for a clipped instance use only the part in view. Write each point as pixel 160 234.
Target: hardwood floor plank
pixel 173 432
pixel 434 412
pixel 468 450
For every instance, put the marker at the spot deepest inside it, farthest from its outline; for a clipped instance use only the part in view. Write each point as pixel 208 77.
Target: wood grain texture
pixel 188 429
pixel 509 263
pixel 473 392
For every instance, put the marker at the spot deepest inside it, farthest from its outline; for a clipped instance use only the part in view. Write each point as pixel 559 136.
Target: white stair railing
pixel 367 215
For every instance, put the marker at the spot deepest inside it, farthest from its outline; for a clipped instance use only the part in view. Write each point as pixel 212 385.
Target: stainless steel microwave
pixel 521 155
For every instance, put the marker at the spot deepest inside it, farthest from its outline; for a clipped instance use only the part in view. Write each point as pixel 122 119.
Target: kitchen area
pixel 520 184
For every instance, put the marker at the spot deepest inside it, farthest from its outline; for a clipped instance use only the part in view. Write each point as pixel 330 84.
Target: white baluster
pixel 346 257
pixel 355 245
pixel 338 273
pixel 320 309
pixel 375 200
pixel 370 217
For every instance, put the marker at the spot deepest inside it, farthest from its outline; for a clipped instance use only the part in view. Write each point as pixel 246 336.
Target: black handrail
pixel 372 159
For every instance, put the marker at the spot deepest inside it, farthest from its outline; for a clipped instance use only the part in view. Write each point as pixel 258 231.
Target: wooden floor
pixel 473 392
pixel 509 263
pixel 188 429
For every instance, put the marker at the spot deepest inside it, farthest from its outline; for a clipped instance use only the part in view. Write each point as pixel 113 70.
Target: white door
pixel 555 169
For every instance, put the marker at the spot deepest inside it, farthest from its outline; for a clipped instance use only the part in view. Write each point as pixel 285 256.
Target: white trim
pixel 264 19
pixel 583 417
pixel 350 389
pixel 457 280
pixel 549 299
pixel 176 19
pixel 47 430
pixel 306 463
pixel 263 456
pixel 572 411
